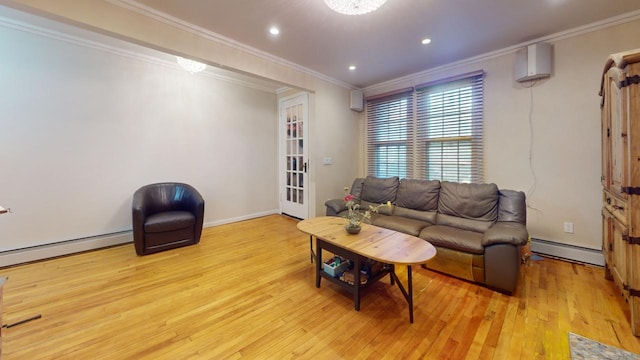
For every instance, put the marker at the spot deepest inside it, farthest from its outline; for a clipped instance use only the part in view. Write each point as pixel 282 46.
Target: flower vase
pixel 352 228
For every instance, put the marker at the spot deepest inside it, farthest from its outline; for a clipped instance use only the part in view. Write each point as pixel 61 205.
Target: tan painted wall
pixel 563 181
pixel 333 125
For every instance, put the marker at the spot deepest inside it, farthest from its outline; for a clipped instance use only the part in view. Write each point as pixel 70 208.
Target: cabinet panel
pixel 618 266
pixel 616 207
pixel 631 112
pixel 633 279
pixel 614 248
pixel 607 243
pixel 619 134
pixel 606 140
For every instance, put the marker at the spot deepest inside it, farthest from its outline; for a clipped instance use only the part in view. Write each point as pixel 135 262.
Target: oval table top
pixel 384 245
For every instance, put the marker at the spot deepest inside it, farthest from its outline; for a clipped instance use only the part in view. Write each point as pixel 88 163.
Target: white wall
pixel 82 127
pixel 250 192
pixel 335 135
pixel 563 179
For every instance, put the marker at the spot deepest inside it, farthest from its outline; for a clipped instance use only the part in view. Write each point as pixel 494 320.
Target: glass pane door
pixel 294 117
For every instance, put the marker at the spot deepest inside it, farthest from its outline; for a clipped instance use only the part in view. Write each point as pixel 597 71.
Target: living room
pixel 74 158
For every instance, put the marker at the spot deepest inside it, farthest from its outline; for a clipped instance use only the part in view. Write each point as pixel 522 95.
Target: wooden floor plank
pixel 247 291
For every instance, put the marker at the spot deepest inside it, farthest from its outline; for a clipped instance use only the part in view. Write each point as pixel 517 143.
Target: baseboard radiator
pixel 25 255
pixel 47 251
pixel 569 252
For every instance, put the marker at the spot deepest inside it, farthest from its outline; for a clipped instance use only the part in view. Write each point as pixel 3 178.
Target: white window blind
pixel 449 129
pixel 390 135
pixel 442 140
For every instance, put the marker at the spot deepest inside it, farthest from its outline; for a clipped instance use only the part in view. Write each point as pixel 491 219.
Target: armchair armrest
pixel 506 232
pixel 336 205
pixel 139 212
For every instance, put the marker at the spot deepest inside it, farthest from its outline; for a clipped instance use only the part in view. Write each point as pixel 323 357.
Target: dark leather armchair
pixel 166 216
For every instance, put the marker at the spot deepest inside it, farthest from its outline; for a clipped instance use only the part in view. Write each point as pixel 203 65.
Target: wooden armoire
pixel 620 104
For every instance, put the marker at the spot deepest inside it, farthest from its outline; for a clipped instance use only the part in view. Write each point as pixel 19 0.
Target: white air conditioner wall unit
pixel 357 100
pixel 533 62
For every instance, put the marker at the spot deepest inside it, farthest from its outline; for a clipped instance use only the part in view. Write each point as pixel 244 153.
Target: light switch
pixel 327 161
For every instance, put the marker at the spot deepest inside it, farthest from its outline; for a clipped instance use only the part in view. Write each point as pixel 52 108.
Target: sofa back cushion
pixel 379 190
pixel 512 206
pixel 418 194
pixel 356 188
pixel 469 201
pixel 376 191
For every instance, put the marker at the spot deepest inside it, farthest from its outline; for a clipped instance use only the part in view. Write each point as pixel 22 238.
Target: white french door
pixel 294 119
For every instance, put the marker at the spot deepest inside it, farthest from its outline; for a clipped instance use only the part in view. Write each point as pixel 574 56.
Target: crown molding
pixel 210 35
pixel 75 40
pixel 599 25
pixel 113 49
pixel 283 89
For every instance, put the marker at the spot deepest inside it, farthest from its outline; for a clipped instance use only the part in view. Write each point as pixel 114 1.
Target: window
pixel 390 135
pixel 449 120
pixel 448 131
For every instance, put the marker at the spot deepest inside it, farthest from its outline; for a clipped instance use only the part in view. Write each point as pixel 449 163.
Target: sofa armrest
pixel 506 232
pixel 335 206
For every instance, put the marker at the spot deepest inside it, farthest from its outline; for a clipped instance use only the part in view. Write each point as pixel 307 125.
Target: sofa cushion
pixel 379 191
pixel 168 221
pixel 512 206
pixel 469 201
pixel 401 224
pixel 335 206
pixel 418 194
pixel 364 206
pixel 464 224
pixel 506 232
pixel 452 238
pixel 427 216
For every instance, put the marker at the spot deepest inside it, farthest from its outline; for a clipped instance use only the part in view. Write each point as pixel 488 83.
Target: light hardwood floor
pixel 248 291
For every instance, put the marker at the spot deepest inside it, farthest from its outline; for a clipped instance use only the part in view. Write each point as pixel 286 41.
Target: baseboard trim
pixel 47 251
pixel 569 252
pixel 25 255
pixel 241 218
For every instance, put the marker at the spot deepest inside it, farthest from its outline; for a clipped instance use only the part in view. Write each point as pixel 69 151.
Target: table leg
pixel 410 297
pixel 318 262
pixel 311 248
pixel 407 293
pixel 393 271
pixel 356 285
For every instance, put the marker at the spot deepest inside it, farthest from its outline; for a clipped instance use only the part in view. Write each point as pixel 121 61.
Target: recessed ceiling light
pixel 274 31
pixel 352 67
pixel 426 41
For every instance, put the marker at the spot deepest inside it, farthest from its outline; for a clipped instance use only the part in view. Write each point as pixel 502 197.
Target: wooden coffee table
pixel 380 244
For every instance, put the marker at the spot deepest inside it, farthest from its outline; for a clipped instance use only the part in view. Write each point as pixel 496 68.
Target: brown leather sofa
pixel 477 229
pixel 166 216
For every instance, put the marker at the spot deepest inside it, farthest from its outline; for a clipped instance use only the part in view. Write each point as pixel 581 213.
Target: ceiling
pixel 385 44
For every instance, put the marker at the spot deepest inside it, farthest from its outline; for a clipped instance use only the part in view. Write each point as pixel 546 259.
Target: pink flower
pixel 349 197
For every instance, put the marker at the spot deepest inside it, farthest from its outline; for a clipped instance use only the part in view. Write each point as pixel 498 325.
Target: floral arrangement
pixel 356 216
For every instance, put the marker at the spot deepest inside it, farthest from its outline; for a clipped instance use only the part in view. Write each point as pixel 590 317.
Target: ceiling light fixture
pixel 190 65
pixel 426 41
pixel 274 31
pixel 354 7
pixel 352 67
